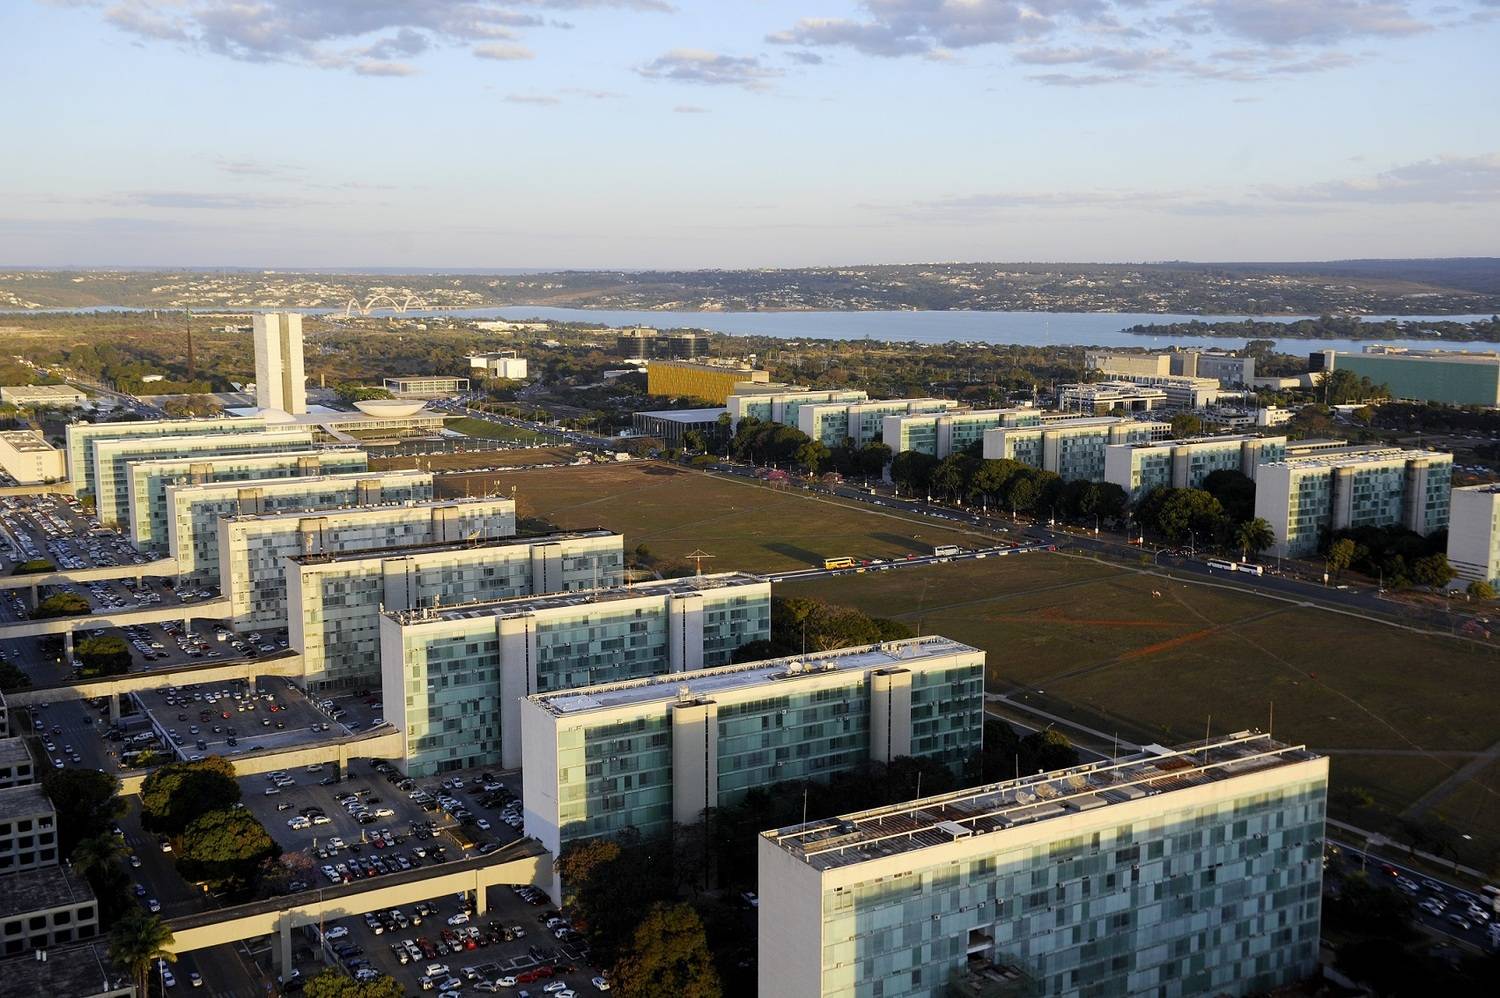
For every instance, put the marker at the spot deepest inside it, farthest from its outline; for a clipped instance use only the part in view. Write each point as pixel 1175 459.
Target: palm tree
pixel 1253 535
pixel 138 941
pixel 97 854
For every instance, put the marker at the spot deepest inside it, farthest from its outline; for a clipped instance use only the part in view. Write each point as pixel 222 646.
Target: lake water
pixel 1104 329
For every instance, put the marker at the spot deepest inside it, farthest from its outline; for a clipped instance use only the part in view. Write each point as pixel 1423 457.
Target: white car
pixel 600 984
pixel 462 918
pixel 552 987
pixel 336 932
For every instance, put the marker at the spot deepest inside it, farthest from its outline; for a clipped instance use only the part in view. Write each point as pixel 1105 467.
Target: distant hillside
pixel 1351 287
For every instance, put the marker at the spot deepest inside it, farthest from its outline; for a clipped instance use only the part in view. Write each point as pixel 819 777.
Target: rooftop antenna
pixel 1271 722
pixel 698 555
pixel 804 805
pixel 1207 727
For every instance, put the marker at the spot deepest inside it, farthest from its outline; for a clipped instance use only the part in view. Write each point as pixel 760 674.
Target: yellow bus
pixel 831 563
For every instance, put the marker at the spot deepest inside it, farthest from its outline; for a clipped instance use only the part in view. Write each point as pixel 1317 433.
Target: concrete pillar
pixel 341 764
pixel 68 646
pixel 251 681
pixel 187 624
pixel 114 707
pixel 518 660
pixel 284 963
pixel 1051 450
pixel 685 632
pixel 695 759
pixel 890 714
pixel 481 895
pixel 1181 462
pixel 35 595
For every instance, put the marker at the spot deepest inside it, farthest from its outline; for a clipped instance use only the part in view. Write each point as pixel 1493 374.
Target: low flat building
pixel 1178 391
pixel 1184 464
pixel 43 396
pixel 860 423
pixel 193 512
pixel 147 481
pixel 1229 370
pixel 783 403
pixel 1304 498
pixel 1072 448
pixel 1188 871
pixel 70 971
pixel 1447 376
pixel 504 364
pixel 113 457
pixel 43 908
pixel 1474 534
pixel 943 433
pixel 28 829
pixel 29 459
pixel 711 382
pixel 334 601
pixel 16 766
pixel 452 679
pixel 1103 397
pixel 81 436
pixel 647 753
pixel 423 386
pixel 669 425
pixel 253 547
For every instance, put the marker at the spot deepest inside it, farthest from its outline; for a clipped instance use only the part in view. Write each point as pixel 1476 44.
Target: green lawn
pixel 745 526
pixel 471 427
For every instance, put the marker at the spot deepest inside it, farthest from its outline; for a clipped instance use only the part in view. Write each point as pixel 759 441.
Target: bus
pixel 829 564
pixel 1221 564
pixel 1245 566
pixel 944 550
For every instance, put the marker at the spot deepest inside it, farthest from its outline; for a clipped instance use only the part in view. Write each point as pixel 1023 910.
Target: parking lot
pixel 444 949
pixel 229 719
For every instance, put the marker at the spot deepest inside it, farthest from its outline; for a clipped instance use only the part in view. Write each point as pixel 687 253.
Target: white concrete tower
pixel 280 384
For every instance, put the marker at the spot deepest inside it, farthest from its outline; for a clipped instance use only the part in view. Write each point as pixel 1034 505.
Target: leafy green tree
pixel 94 854
pixel 1480 589
pixel 1185 424
pixel 580 860
pixel 225 848
pixel 12 678
pixel 1340 555
pixel 61 605
pixel 812 456
pixel 175 795
pixel 1433 571
pixel 798 623
pixel 1190 513
pixel 1235 492
pixel 1007 754
pixel 668 955
pixel 952 475
pixel 694 440
pixel 138 940
pixel 332 983
pixel 86 801
pixel 912 470
pixel 1253 536
pixel 992 476
pixel 350 392
pixel 871 459
pixel 104 655
pixel 97 860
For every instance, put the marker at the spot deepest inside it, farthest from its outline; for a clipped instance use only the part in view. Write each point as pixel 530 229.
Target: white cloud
pixel 709 68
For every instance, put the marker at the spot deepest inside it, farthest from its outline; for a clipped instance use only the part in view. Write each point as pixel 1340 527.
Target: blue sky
pixel 685 133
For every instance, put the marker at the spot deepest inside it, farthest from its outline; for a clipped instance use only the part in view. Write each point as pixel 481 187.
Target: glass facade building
pixel 1187 872
pixel 452 679
pixel 195 510
pixel 148 481
pixel 113 457
pixel 643 754
pixel 1138 466
pixel 862 422
pixel 334 601
pixel 944 433
pixel 1424 376
pixel 1072 447
pixel 253 548
pixel 1338 489
pixel 80 437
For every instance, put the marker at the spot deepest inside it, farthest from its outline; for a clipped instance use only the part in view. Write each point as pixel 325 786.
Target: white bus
pixel 944 550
